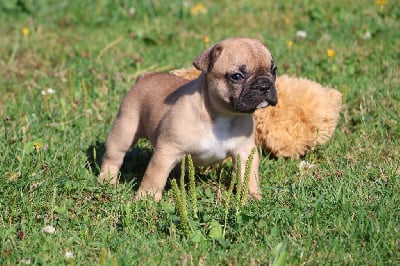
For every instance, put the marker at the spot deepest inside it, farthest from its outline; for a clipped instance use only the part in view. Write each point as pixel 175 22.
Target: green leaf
pixel 197 236
pixel 216 231
pixel 279 253
pixel 223 242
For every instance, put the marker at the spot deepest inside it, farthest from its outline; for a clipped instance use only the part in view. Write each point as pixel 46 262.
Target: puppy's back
pixel 149 100
pixel 156 86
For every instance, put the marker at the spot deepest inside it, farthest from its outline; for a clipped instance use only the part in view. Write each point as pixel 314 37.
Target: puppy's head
pixel 240 74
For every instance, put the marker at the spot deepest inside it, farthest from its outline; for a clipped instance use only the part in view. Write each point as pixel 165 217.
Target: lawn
pixel 64 68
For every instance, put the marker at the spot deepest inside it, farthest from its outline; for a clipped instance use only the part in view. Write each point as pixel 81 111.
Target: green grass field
pixel 64 68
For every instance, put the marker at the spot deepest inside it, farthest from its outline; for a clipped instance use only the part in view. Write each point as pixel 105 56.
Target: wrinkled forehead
pixel 252 54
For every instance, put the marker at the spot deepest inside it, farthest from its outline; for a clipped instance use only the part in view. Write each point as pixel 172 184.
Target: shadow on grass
pixel 138 157
pixel 133 167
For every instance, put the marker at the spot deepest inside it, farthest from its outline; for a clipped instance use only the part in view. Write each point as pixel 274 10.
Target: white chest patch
pixel 218 143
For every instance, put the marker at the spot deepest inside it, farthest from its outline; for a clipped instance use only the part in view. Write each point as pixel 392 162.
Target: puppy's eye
pixel 236 77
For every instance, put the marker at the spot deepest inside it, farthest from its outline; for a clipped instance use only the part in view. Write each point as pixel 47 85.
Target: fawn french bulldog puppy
pixel 210 118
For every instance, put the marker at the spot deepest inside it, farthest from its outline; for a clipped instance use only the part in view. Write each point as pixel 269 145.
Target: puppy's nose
pixel 263 84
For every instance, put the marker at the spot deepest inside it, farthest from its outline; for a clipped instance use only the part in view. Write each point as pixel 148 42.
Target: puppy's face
pixel 241 74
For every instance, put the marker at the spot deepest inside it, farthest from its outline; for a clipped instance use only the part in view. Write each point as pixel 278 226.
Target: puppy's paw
pixel 106 178
pixel 256 196
pixel 143 194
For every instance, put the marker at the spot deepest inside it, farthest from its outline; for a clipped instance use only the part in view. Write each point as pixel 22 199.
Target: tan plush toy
pixel 305 116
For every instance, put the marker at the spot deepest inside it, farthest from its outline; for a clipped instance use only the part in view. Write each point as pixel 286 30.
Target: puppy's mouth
pixel 262 105
pixel 258 94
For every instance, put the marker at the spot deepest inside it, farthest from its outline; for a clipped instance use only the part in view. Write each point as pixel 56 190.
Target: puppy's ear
pixel 274 68
pixel 205 61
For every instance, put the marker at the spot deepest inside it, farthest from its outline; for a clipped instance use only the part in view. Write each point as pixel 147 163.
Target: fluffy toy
pixel 305 116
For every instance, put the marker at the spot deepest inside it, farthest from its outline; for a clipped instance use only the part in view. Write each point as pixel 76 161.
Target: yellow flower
pixel 37 146
pixel 289 44
pixel 25 31
pixel 381 3
pixel 15 176
pixel 331 53
pixel 198 9
pixel 206 39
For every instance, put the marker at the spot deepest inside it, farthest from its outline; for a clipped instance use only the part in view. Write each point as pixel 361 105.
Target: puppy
pixel 209 117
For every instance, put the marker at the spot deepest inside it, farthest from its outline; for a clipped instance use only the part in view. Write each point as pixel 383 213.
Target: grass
pixel 345 210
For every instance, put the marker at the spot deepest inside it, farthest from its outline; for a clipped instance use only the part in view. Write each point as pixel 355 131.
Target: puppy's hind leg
pixel 122 136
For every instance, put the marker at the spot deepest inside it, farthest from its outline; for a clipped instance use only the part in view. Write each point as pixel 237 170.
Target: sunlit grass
pixel 64 68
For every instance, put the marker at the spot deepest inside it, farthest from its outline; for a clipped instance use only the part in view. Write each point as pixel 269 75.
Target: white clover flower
pixel 367 35
pixel 69 255
pixel 48 229
pixel 301 34
pixel 50 91
pixel 132 11
pixel 304 166
pixel 26 261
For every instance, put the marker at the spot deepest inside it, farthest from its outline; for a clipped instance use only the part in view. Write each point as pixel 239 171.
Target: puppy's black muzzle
pixel 267 87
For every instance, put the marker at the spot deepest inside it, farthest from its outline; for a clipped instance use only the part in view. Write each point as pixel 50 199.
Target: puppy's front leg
pixel 254 178
pixel 157 172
